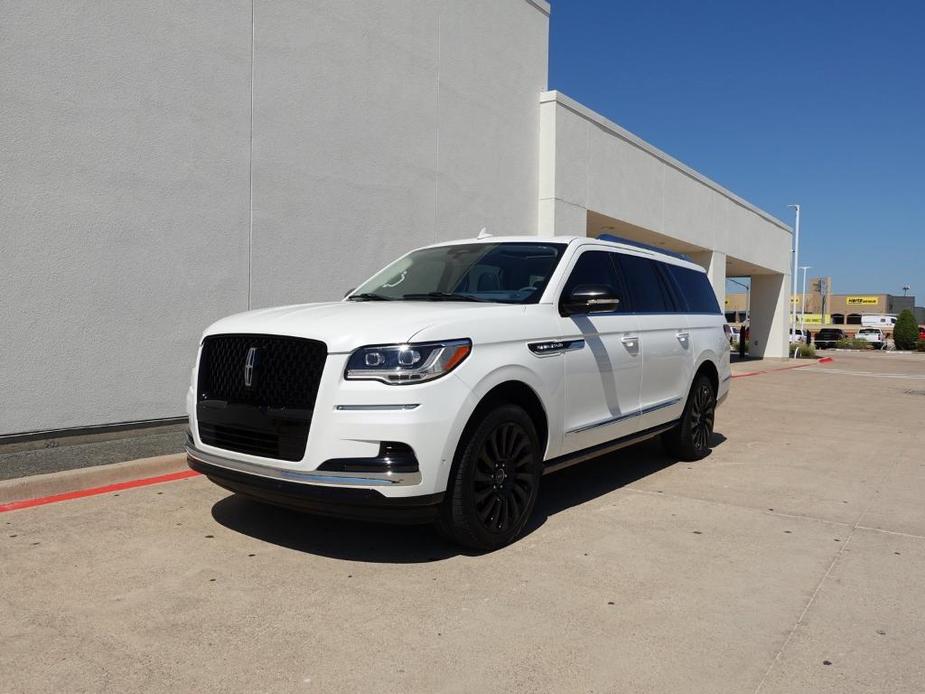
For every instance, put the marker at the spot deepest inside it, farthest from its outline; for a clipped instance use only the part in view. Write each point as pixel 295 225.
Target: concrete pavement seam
pixel 795 516
pixel 838 555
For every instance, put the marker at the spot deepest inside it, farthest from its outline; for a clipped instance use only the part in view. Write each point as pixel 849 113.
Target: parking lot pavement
pixel 789 560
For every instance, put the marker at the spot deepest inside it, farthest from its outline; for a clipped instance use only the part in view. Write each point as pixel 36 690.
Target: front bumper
pixel 343 495
pixel 351 422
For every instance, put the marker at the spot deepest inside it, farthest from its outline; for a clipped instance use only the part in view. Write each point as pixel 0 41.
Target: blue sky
pixel 817 102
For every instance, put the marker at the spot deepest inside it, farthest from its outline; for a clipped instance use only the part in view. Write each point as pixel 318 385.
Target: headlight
pixel 402 364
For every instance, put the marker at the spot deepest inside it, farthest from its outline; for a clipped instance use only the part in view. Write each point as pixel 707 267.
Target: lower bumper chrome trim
pixel 320 478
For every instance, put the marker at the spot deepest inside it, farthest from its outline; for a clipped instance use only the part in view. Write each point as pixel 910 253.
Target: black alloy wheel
pixel 702 414
pixel 690 439
pixel 503 481
pixel 495 480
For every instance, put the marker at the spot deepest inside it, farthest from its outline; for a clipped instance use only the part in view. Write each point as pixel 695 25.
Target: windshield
pixel 512 273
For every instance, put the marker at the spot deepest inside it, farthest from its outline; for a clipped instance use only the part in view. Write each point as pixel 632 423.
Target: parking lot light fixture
pixel 804 268
pixel 796 265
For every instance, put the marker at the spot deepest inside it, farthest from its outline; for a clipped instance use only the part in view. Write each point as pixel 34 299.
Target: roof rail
pixel 646 246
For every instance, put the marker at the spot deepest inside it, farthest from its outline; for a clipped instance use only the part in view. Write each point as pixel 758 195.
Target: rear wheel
pixel 690 440
pixel 495 480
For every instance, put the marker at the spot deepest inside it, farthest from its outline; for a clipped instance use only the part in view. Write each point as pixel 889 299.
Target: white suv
pixel 443 388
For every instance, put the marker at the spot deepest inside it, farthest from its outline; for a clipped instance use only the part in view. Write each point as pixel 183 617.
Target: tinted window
pixel 695 289
pixel 595 267
pixel 645 285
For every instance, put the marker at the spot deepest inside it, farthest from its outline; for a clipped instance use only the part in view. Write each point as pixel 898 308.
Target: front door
pixel 603 367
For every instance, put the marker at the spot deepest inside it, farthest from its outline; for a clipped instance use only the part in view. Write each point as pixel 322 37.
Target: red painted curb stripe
pixel 93 491
pixel 824 360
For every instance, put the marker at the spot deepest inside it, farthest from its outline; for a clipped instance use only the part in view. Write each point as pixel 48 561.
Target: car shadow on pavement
pixel 403 544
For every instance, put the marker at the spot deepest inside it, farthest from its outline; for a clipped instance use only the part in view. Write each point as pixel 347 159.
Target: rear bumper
pixel 317 496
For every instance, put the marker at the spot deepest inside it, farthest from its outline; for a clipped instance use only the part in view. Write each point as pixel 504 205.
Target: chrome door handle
pixel 682 335
pixel 629 341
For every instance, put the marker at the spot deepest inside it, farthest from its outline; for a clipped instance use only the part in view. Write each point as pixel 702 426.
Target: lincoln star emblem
pixel 249 367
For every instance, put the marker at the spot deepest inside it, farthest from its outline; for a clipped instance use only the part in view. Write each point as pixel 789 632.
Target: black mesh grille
pixel 286 370
pixel 271 416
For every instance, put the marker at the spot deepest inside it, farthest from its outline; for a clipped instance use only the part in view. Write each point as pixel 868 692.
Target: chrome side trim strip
pixel 660 406
pixel 595 425
pixel 628 415
pixel 376 408
pixel 324 478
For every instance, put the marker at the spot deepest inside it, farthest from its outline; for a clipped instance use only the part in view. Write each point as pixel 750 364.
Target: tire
pixel 494 481
pixel 690 440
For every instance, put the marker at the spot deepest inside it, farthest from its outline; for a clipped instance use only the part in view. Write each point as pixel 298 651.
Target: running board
pixel 603 448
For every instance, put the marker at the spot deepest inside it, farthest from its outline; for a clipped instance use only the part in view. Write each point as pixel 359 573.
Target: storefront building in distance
pixel 833 310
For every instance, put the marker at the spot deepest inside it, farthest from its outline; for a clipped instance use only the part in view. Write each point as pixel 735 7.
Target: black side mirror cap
pixel 589 298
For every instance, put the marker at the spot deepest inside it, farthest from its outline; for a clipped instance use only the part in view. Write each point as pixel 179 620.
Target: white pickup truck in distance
pixel 873 335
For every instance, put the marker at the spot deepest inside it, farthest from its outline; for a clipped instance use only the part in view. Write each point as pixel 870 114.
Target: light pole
pixel 748 296
pixel 906 288
pixel 804 268
pixel 796 266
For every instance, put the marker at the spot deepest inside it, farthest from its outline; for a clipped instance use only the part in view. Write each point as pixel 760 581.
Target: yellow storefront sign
pixel 814 318
pixel 862 300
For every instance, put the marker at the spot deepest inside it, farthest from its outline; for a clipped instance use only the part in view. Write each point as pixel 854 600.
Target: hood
pixel 345 325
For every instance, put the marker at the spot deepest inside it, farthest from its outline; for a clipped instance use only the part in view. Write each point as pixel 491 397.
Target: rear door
pixel 664 339
pixel 603 364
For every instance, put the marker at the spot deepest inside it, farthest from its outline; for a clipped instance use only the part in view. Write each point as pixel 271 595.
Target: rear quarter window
pixel 645 284
pixel 695 289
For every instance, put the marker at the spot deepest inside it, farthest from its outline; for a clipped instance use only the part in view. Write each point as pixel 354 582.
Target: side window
pixel 645 285
pixel 595 267
pixel 695 288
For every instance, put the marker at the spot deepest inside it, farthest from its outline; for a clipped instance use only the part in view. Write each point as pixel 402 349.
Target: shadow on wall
pixel 383 543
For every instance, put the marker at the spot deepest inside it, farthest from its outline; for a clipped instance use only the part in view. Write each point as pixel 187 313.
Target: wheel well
pixel 709 369
pixel 518 393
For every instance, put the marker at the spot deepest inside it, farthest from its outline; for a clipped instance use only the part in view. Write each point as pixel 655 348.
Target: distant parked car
pixel 922 332
pixel 873 335
pixel 827 337
pixel 798 336
pixel 734 334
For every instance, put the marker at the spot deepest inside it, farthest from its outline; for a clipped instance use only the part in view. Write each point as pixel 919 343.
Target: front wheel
pixel 495 480
pixel 690 440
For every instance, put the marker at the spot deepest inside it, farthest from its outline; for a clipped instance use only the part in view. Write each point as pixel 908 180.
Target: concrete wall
pixel 166 164
pixel 381 126
pixel 590 164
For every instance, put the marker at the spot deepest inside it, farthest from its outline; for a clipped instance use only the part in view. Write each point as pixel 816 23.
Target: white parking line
pixel 868 374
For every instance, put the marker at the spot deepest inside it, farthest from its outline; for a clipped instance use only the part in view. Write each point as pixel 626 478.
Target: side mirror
pixel 349 292
pixel 589 298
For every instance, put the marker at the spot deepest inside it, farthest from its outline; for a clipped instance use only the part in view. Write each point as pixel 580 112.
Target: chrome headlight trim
pixel 405 364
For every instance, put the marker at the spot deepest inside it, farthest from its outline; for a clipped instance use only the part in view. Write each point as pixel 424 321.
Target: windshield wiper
pixel 368 296
pixel 440 296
